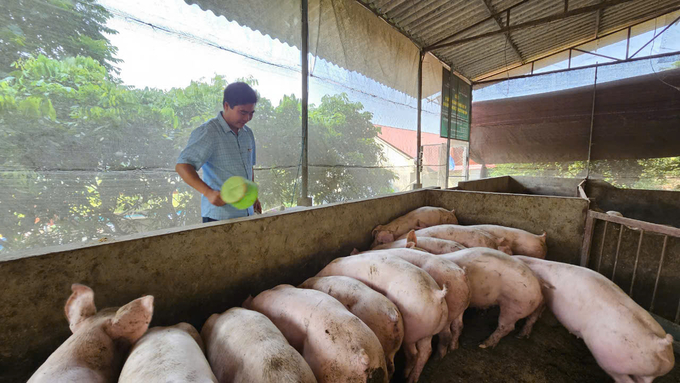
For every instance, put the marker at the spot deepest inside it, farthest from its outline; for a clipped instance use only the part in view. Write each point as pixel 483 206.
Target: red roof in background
pixel 405 141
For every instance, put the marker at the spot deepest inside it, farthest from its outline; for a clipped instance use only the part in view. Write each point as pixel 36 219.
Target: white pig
pixel 446 274
pixel 499 279
pixel 100 340
pixel 168 354
pixel 625 340
pixel 337 345
pixel 244 346
pixel 465 235
pixel 417 219
pixel 430 244
pixel 378 312
pixel 420 300
pixel 521 242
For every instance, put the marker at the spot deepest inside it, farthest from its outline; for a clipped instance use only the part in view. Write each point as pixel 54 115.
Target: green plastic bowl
pixel 239 192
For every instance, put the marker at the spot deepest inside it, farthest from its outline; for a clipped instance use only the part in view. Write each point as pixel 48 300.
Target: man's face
pixel 238 116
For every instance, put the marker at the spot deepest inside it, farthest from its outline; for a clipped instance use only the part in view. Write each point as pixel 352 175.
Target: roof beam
pixel 598 19
pixel 499 22
pixel 477 23
pixel 530 24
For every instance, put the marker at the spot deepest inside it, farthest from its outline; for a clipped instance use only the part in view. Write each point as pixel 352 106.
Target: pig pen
pixel 199 270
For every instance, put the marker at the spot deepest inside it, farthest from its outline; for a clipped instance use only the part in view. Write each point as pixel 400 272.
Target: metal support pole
pixel 658 272
pixel 604 238
pixel 637 258
pixel 448 155
pixel 628 43
pixel 592 122
pixel 618 248
pixel 419 159
pixel 304 199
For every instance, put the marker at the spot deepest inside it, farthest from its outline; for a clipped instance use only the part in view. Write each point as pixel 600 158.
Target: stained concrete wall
pixel 562 187
pixel 192 272
pixel 563 219
pixel 657 206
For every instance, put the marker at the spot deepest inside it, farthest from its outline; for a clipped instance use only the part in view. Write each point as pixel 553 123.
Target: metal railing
pixel 640 226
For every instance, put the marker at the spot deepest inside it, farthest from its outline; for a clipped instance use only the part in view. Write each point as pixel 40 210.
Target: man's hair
pixel 239 93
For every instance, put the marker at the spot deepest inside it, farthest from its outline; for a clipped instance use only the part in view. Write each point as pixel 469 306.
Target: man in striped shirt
pixel 224 147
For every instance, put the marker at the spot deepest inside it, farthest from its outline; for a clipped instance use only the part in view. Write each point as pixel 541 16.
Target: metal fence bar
pixel 604 236
pixel 618 247
pixel 587 240
pixel 646 226
pixel 677 313
pixel 637 258
pixel 658 272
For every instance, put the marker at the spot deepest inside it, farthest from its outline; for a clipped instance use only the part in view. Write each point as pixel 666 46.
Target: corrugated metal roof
pixel 428 22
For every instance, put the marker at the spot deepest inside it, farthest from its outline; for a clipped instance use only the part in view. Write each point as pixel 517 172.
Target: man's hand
pixel 257 207
pixel 214 198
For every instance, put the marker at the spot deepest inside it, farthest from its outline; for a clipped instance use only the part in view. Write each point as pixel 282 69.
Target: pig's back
pixel 256 350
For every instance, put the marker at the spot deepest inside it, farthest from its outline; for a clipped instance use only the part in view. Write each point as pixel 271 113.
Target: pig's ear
pixel 384 237
pixel 543 236
pixel 246 304
pixel 355 251
pixel 132 320
pixel 504 245
pixel 411 237
pixel 376 230
pixel 80 306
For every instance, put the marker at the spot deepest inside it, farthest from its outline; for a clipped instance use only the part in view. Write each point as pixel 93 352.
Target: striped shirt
pixel 214 147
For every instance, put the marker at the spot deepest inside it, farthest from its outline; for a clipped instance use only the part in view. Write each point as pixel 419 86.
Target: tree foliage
pixel 56 29
pixel 82 156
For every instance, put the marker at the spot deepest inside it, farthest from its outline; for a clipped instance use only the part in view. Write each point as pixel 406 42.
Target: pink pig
pixel 446 274
pixel 244 346
pixel 378 312
pixel 467 236
pixel 168 354
pixel 417 219
pixel 337 345
pixel 521 242
pixel 420 300
pixel 499 279
pixel 430 244
pixel 100 340
pixel 625 340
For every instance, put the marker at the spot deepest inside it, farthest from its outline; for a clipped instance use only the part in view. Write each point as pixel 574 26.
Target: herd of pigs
pixel 347 323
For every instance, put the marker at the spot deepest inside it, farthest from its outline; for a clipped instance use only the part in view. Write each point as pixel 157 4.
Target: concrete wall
pixel 562 187
pixel 657 206
pixel 192 272
pixel 493 185
pixel 562 218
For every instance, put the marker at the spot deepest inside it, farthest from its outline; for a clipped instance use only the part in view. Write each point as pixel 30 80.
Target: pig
pixel 244 346
pixel 465 235
pixel 168 354
pixel 625 340
pixel 417 296
pixel 446 274
pixel 378 312
pixel 430 244
pixel 100 340
pixel 417 219
pixel 499 279
pixel 337 345
pixel 520 241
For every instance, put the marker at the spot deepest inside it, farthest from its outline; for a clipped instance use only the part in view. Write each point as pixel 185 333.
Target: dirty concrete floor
pixel 550 355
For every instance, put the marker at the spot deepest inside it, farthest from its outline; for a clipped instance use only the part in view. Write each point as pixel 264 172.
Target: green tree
pixel 56 29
